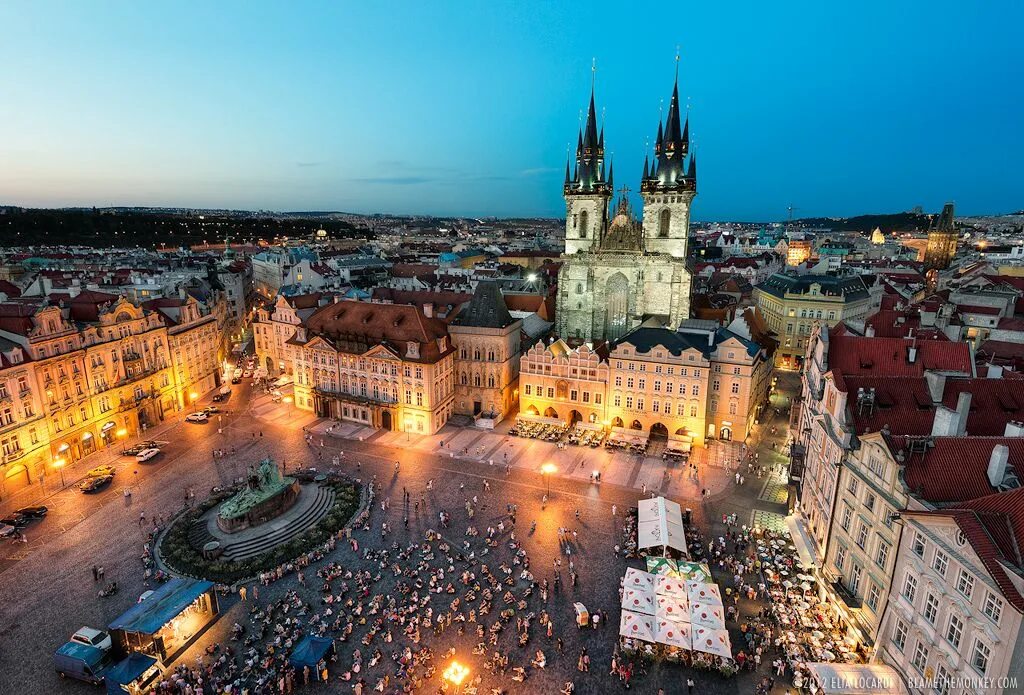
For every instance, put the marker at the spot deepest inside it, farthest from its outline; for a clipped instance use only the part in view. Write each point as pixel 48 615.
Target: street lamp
pixel 546 470
pixel 455 674
pixel 59 465
pixel 121 433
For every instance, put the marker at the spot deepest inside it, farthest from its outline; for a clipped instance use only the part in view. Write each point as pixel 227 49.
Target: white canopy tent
pixel 856 679
pixel 712 641
pixel 672 608
pixel 704 592
pixel 637 626
pixel 707 616
pixel 670 586
pixel 660 525
pixel 638 600
pixel 638 579
pixel 673 633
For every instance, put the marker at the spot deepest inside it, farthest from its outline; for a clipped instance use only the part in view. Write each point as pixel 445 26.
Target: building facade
pixel 791 305
pixel 684 386
pixel 487 341
pixel 617 270
pixel 381 365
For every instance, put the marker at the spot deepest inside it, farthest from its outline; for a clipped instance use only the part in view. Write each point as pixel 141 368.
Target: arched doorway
pixel 270 365
pixel 575 417
pixel 16 479
pixel 725 434
pixel 385 419
pixel 636 425
pixel 617 422
pixel 551 412
pixel 617 303
pixel 681 432
pixel 659 431
pixel 532 410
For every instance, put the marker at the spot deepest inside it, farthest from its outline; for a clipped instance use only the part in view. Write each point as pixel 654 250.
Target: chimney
pixel 869 332
pixel 963 409
pixel 994 372
pixel 1014 429
pixel 936 385
pixel 912 354
pixel 428 310
pixel 945 423
pixel 997 464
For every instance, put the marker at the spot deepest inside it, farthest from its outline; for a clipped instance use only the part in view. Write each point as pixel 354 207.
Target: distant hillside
pixel 898 222
pixel 85 227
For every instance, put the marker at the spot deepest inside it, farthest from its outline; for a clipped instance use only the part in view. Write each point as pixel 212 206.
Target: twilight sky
pixel 467 108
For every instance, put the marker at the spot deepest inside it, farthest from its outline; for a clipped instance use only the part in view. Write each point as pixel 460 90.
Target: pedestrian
pixel 142 518
pixel 241 592
pixel 689 685
pixel 95 573
pixel 614 509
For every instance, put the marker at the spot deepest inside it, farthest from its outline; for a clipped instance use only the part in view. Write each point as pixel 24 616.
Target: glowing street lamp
pixel 59 465
pixel 546 470
pixel 455 674
pixel 121 434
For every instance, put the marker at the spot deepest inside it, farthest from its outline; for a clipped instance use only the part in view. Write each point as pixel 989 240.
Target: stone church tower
pixel 619 272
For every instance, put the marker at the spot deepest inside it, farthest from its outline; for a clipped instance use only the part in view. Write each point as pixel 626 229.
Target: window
pixel 597 398
pixel 630 383
pixel 869 501
pixel 980 656
pixel 887 519
pixel 941 680
pixel 965 583
pixel 882 554
pixel 910 587
pixel 931 608
pixel 732 407
pixel 715 384
pixel 862 535
pixel 874 595
pixel 846 518
pixel 855 577
pixel 918 544
pixel 551 391
pixel 695 391
pixel 629 401
pixel 643 384
pixel 852 486
pixel 618 381
pixel 840 558
pixel 735 387
pixel 993 607
pixel 920 659
pixel 955 631
pixel 940 562
pixel 574 395
pixel 528 387
pixel 664 219
pixel 899 635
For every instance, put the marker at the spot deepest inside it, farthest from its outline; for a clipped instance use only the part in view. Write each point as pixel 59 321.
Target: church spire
pixel 611 174
pixel 691 174
pixel 568 159
pixel 644 177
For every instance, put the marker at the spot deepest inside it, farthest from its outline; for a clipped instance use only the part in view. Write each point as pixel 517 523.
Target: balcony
pixel 845 595
pixel 355 398
pixel 13 455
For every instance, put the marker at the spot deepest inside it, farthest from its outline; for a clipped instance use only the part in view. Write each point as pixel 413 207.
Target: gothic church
pixel 619 271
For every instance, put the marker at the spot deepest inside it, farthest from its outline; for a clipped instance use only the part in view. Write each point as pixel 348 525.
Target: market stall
pixel 132 675
pixel 310 651
pixel 660 526
pixel 166 622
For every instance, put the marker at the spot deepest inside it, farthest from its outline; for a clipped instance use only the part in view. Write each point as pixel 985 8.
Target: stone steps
pixel 322 503
pixel 199 535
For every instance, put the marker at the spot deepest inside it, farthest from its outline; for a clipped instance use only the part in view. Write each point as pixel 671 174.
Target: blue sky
pixel 467 108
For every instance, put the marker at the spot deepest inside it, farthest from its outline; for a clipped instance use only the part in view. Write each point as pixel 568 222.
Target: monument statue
pixel 266 495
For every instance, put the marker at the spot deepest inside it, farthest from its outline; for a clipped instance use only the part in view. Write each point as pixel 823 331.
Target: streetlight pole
pixel 59 465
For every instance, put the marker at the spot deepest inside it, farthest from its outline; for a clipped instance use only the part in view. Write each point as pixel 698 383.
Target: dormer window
pixel 413 349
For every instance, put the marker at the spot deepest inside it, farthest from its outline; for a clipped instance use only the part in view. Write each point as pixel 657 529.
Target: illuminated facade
pixel 687 385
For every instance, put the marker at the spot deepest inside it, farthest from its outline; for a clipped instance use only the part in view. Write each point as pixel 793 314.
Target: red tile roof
pixel 975 309
pixel 10 289
pixel 952 469
pixel 852 355
pixel 357 326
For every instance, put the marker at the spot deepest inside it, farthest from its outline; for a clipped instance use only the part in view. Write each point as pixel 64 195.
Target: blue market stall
pixel 310 651
pixel 132 675
pixel 166 622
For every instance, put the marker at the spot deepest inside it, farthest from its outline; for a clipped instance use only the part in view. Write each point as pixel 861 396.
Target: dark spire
pixel 686 134
pixel 568 158
pixel 645 168
pixel 691 174
pixel 657 140
pixel 611 173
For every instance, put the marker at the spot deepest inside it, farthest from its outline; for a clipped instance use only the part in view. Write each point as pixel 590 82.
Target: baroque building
pixel 619 271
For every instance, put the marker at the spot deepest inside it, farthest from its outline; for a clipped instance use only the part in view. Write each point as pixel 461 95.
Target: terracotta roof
pixel 952 469
pixel 16 317
pixel 358 326
pixel 304 301
pixel 412 270
pixel 1010 324
pixel 486 309
pixel 852 355
pixel 905 404
pixel 975 309
pixel 10 289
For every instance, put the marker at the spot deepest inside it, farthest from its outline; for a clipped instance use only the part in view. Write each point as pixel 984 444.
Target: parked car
pixel 236 379
pixel 221 397
pixel 198 416
pixel 16 520
pixel 210 409
pixel 94 484
pixel 37 512
pixel 93 637
pixel 82 662
pixel 100 471
pixel 7 530
pixel 146 455
pixel 247 374
pixel 133 450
